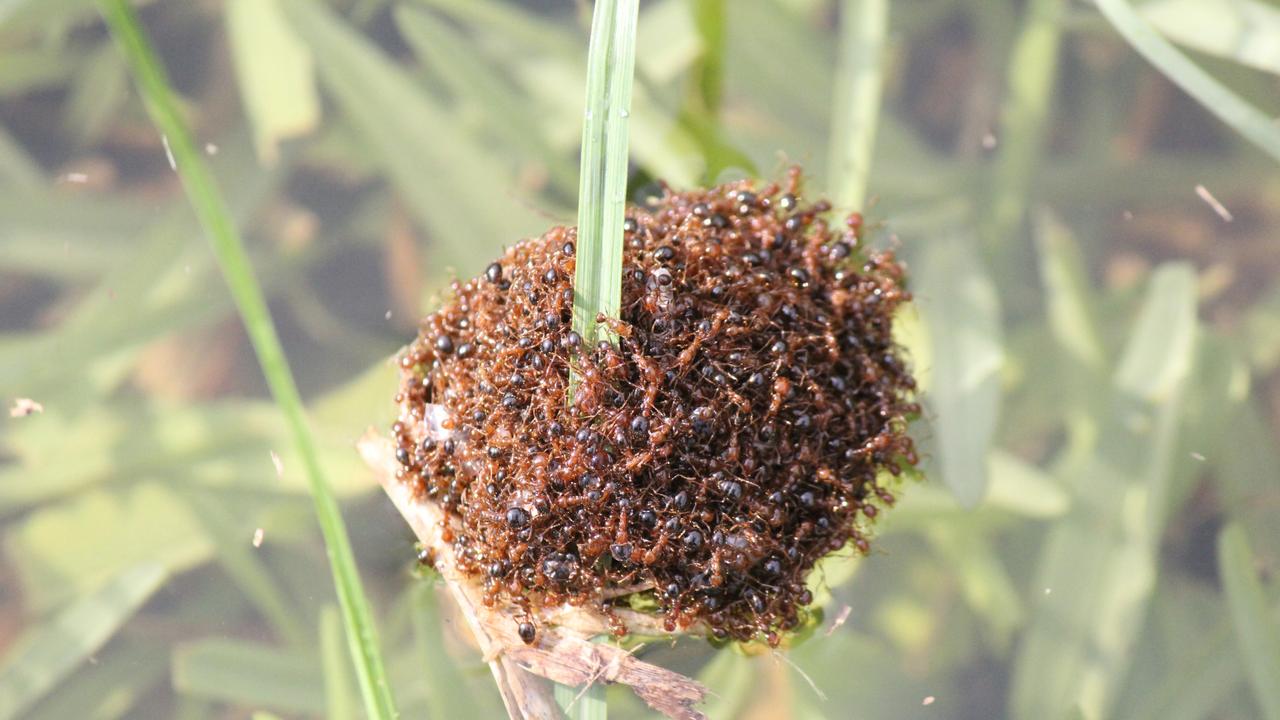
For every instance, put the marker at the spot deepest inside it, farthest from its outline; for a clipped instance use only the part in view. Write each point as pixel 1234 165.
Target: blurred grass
pixel 602 179
pixel 1256 632
pixel 52 650
pixel 1100 422
pixel 1235 111
pixel 216 218
pixel 856 100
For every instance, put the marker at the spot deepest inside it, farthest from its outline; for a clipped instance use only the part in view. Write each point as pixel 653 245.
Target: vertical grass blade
pixel 1230 108
pixel 961 309
pixel 339 695
pixel 1100 561
pixel 602 200
pixel 856 108
pixel 1256 633
pixel 274 72
pixel 215 217
pixel 1032 76
pixel 602 188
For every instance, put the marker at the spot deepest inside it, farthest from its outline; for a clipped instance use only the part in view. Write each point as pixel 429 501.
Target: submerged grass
pixel 216 218
pixel 1230 108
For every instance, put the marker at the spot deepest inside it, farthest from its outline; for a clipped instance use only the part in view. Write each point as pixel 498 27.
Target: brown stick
pixel 562 651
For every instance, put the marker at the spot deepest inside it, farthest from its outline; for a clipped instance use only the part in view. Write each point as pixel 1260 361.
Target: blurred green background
pixel 1094 256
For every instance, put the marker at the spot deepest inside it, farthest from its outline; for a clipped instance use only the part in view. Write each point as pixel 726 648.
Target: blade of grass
pixel 704 95
pixel 231 535
pixel 856 108
pixel 1256 635
pixel 1239 30
pixel 1066 288
pixel 274 72
pixel 602 188
pixel 115 529
pixel 961 309
pixel 1192 693
pixel 109 688
pixel 409 132
pixel 602 199
pixel 52 650
pixel 1033 70
pixel 461 67
pixel 1230 108
pixel 1099 562
pixel 248 673
pixel 339 696
pixel 984 580
pixel 216 218
pixel 447 685
pixel 96 96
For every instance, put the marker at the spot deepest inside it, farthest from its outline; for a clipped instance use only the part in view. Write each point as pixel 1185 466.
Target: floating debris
pixel 1218 207
pixel 840 620
pixel 23 407
pixel 168 153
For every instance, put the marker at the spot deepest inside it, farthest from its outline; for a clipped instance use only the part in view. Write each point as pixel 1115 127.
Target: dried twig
pixel 562 652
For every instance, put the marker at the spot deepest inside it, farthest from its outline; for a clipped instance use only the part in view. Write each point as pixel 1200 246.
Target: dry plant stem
pixel 563 651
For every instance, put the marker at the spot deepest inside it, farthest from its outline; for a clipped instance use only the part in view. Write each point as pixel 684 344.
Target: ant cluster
pixel 739 429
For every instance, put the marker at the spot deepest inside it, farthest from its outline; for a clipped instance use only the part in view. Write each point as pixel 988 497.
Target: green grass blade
pixel 96 96
pixel 1033 71
pixel 274 72
pixel 961 310
pixel 459 65
pixel 984 580
pixel 704 94
pixel 1257 635
pixel 247 673
pixel 115 529
pixel 339 695
pixel 1241 30
pixel 1099 563
pixel 1192 692
pixel 448 688
pixel 242 563
pixel 1067 292
pixel 856 108
pixel 109 689
pixel 602 189
pixel 708 69
pixel 409 133
pixel 52 650
pixel 1230 108
pixel 216 219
